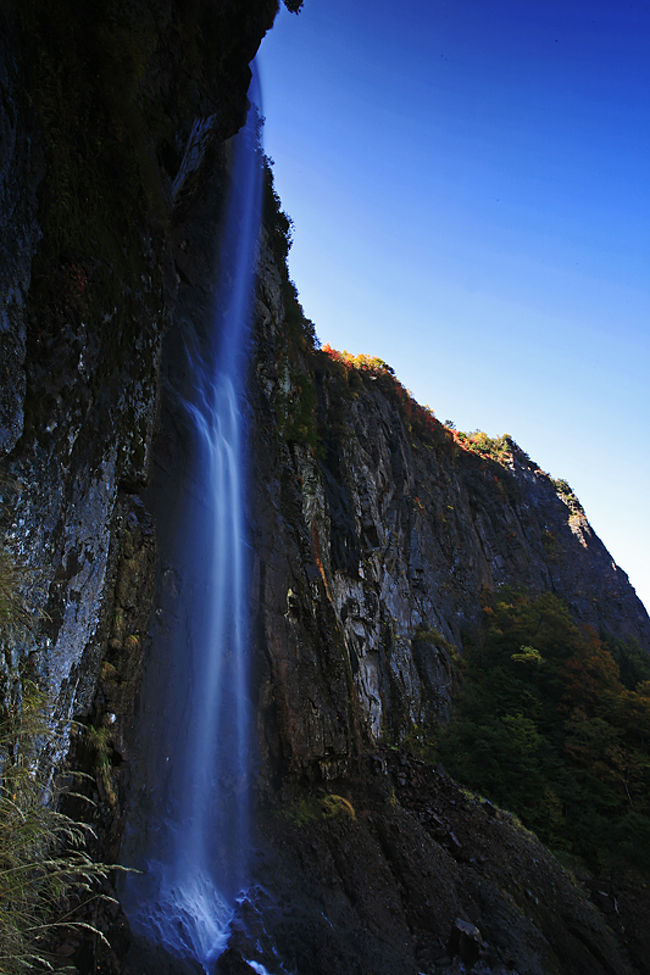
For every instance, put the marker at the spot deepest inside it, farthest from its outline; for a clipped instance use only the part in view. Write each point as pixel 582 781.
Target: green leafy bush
pixel 500 449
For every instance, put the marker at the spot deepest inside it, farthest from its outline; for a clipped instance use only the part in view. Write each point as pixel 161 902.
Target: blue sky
pixel 469 183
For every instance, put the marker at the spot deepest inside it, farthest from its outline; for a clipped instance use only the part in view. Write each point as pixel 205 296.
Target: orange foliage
pixel 415 415
pixel 590 673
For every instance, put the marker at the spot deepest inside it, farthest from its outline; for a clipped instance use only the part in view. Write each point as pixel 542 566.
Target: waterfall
pixel 188 828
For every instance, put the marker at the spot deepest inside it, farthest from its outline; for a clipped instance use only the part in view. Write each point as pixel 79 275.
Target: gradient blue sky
pixel 469 183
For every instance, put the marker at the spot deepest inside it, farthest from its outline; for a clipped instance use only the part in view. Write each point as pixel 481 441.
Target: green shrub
pixel 310 809
pixel 545 725
pixel 566 494
pixel 99 740
pixel 500 449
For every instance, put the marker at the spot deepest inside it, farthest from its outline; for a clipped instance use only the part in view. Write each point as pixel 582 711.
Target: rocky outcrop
pixel 405 872
pixel 376 533
pixel 377 530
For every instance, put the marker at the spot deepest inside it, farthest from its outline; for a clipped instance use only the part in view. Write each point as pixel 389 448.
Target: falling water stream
pixel 189 830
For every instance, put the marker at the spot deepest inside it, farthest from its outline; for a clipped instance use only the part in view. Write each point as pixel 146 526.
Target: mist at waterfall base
pixel 189 830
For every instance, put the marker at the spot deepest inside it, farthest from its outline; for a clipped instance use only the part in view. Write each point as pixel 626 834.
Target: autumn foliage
pixel 421 419
pixel 546 726
pixel 416 418
pixel 477 442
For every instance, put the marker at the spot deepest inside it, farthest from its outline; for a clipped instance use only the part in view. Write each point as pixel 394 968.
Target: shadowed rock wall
pixel 109 113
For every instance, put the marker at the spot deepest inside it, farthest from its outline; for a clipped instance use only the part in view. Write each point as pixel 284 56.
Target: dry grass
pixel 46 873
pixel 13 614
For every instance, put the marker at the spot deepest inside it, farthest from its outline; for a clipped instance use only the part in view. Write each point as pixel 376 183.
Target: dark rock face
pixel 101 105
pixel 19 235
pixel 407 873
pixel 112 120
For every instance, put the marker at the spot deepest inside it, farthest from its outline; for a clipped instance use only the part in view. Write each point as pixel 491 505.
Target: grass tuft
pixel 14 616
pixel 47 875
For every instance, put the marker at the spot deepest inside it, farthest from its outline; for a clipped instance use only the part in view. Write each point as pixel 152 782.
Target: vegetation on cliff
pixel 47 876
pixel 46 871
pixel 418 419
pixel 421 420
pixel 552 720
pixel 549 725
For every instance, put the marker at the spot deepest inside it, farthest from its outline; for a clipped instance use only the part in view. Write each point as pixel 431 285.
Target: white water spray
pixel 189 832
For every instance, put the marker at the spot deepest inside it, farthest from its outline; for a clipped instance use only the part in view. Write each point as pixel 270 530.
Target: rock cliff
pixel 375 530
pixel 109 110
pixel 378 529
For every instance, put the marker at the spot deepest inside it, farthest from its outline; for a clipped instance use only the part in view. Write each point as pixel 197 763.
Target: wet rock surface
pixel 90 266
pixel 21 169
pixel 405 872
pixel 97 107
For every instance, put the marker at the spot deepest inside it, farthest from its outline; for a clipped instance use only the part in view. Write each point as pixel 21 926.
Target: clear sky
pixel 470 186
